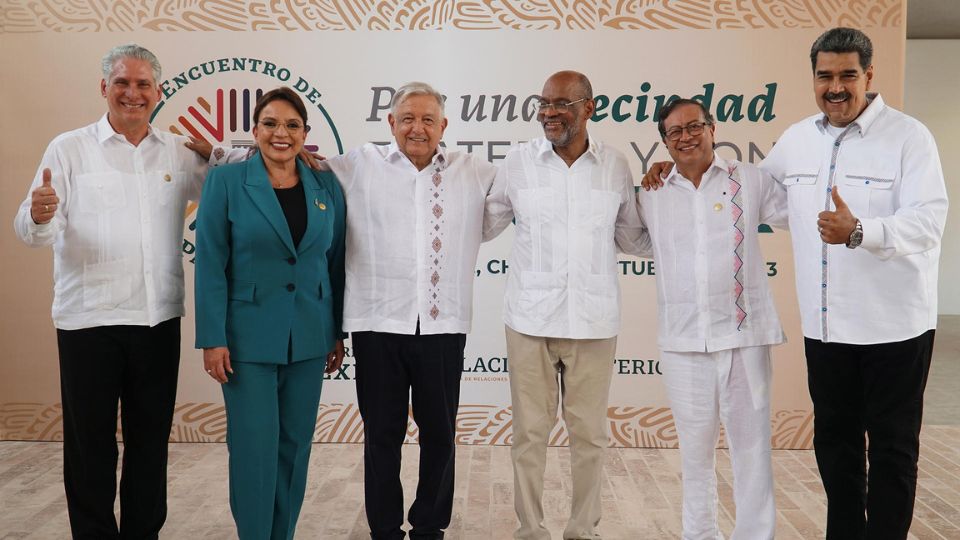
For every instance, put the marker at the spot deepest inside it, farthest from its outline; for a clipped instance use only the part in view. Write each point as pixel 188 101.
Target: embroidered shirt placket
pixel 736 209
pixel 824 335
pixel 435 254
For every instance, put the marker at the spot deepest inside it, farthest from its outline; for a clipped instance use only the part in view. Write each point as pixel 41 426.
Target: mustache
pixel 838 95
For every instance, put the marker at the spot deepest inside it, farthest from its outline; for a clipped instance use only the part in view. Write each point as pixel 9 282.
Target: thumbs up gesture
pixel 44 200
pixel 835 227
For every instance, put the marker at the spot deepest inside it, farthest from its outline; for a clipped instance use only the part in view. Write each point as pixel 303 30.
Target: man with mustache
pixel 867 210
pixel 574 204
pixel 717 321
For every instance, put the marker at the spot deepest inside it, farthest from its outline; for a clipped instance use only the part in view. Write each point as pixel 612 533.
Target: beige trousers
pixel 576 373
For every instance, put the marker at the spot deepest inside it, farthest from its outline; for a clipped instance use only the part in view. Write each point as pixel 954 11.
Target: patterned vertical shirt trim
pixel 825 261
pixel 736 209
pixel 436 224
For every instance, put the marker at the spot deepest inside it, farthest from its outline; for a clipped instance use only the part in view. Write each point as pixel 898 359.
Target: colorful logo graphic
pixel 222 114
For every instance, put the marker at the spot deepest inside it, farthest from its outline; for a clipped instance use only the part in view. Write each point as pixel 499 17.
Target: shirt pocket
pixel 540 293
pixel 601 298
pixel 169 187
pixel 533 208
pixel 802 196
pixel 106 285
pixel 100 192
pixel 868 189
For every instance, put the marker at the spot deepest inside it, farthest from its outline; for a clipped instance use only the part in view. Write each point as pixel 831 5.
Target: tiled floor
pixel 641 494
pixel 942 398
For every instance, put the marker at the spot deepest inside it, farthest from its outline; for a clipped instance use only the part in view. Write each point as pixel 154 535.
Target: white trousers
pixel 732 387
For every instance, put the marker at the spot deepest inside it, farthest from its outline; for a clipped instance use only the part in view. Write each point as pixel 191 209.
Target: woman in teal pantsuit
pixel 269 302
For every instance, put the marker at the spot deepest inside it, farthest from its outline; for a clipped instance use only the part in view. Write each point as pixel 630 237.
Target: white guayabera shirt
pixel 117 235
pixel 412 238
pixel 712 291
pixel 888 171
pixel 570 223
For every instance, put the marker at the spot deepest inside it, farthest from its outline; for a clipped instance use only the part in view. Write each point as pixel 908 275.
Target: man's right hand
pixel 44 200
pixel 654 177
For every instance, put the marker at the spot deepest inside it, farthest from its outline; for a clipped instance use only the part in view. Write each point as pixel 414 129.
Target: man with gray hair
pixel 414 226
pixel 110 198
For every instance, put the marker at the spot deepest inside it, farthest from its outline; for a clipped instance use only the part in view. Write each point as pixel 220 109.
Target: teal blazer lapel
pixel 257 184
pixel 319 206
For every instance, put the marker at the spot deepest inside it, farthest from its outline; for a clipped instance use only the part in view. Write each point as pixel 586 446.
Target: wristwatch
pixel 856 236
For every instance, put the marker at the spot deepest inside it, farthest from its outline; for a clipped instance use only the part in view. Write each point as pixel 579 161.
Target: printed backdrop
pixel 748 61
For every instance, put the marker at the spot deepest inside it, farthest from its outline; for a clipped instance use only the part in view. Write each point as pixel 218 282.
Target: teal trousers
pixel 271 415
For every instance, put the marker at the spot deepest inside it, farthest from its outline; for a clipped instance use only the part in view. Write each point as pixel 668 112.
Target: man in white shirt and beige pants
pixel 574 203
pixel 717 320
pixel 110 198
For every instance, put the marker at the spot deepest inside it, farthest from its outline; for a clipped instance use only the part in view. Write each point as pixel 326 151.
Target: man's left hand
pixel 835 227
pixel 335 357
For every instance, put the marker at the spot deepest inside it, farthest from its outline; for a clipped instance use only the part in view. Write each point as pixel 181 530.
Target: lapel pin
pixel 717 207
pixel 318 204
pixel 167 178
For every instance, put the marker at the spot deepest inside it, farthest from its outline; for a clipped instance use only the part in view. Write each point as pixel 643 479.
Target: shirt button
pixel 292 261
pixel 824 285
pixel 824 262
pixel 824 309
pixel 836 143
pixel 291 287
pixel 832 167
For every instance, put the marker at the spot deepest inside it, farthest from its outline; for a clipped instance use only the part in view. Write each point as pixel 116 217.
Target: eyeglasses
pixel 694 129
pixel 291 127
pixel 560 106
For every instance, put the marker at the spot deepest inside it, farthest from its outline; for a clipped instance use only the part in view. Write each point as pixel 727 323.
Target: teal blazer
pixel 256 294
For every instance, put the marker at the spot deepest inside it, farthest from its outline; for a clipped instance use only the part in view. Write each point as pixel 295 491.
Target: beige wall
pixel 51 86
pixel 930 94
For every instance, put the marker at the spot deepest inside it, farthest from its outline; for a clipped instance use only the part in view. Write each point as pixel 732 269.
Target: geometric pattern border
pixel 630 427
pixel 31 16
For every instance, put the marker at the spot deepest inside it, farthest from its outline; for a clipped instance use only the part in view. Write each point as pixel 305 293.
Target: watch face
pixel 856 237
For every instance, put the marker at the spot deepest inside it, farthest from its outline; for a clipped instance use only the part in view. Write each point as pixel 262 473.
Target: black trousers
pixel 388 367
pixel 136 366
pixel 877 391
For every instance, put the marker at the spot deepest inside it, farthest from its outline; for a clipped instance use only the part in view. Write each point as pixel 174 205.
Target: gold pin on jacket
pixel 318 204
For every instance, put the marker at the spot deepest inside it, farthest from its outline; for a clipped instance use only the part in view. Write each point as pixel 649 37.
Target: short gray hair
pixel 414 89
pixel 131 50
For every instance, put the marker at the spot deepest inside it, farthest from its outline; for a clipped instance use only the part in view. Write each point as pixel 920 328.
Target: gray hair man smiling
pixel 110 199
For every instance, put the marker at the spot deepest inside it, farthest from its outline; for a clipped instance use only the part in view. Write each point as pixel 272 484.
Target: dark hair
pixel 284 93
pixel 843 40
pixel 669 108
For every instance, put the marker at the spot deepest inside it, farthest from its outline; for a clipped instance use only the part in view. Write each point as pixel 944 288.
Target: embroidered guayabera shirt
pixel 712 291
pixel 570 222
pixel 117 235
pixel 412 238
pixel 886 166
